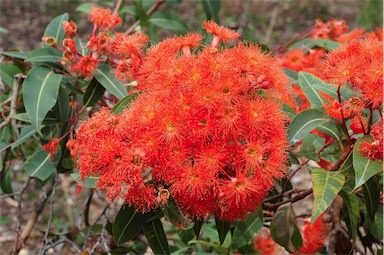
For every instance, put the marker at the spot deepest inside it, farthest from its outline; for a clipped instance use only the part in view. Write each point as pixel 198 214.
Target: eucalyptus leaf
pixel 105 77
pixel 154 232
pixel 55 28
pixel 39 165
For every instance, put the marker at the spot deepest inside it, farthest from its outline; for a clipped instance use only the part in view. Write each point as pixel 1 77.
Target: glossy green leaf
pixel 128 223
pixel 93 94
pixel 333 130
pixel 310 147
pixel 311 43
pixel 350 213
pixel 44 55
pixel 168 20
pixel 371 191
pixel 15 54
pixel 39 165
pixel 154 232
pixel 104 75
pixel 288 111
pixel 197 228
pixel 326 186
pixel 364 167
pixel 40 90
pixel 7 71
pixel 172 212
pixel 245 230
pixel 376 227
pixel 293 75
pixel 62 108
pixel 89 181
pixel 25 133
pixel 211 9
pixel 55 28
pixel 222 229
pixel 6 182
pixel 284 230
pixel 49 119
pixel 305 122
pixel 124 103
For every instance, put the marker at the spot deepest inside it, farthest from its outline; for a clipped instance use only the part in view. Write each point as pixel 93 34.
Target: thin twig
pixel 93 224
pixel 45 238
pixel 87 205
pixel 102 235
pixel 293 173
pixel 117 6
pixel 298 197
pixel 154 7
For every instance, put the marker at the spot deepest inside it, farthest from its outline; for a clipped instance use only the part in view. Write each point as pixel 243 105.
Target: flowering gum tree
pixel 204 127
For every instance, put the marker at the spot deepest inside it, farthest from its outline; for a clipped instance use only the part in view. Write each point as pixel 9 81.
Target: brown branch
pixel 336 226
pixel 40 204
pixel 154 7
pixel 271 24
pixel 299 196
pixel 117 6
pixel 336 166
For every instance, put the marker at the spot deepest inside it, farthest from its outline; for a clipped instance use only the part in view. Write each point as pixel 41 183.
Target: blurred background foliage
pixel 272 22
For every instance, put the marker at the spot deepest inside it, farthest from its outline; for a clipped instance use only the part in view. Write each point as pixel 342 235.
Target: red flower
pixel 85 67
pixel 70 28
pixel 313 237
pixel 219 33
pixel 103 18
pixel 373 148
pixel 52 146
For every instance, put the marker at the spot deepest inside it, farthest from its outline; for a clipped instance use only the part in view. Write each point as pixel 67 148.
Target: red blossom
pixel 313 236
pixel 52 146
pixel 70 28
pixel 85 67
pixel 219 33
pixel 103 18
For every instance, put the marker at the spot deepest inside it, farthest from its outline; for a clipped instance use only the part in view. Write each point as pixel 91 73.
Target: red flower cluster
pixel 199 129
pixel 313 237
pixel 373 148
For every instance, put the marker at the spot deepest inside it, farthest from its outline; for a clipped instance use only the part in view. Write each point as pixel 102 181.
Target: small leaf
pixel 106 78
pixel 39 165
pixel 44 55
pixel 168 20
pixel 304 123
pixel 212 9
pixel 172 212
pixel 326 186
pixel 326 44
pixel 40 90
pixel 157 239
pixel 62 108
pixel 350 212
pixel 15 54
pixel 364 167
pixel 124 103
pixel 25 133
pixel 284 230
pixel 89 182
pixel 86 7
pixel 7 71
pixel 245 230
pixel 55 28
pixel 222 229
pixel 93 94
pixel 371 191
pixel 128 223
pixel 5 182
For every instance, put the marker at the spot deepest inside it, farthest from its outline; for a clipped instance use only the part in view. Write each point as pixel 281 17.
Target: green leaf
pixel 222 229
pixel 197 227
pixel 284 230
pixel 25 133
pixel 211 9
pixel 93 93
pixel 157 239
pixel 44 55
pixel 5 182
pixel 364 167
pixel 326 186
pixel 81 47
pixel 350 213
pixel 40 90
pixel 124 103
pixel 16 54
pixel 288 111
pixel 86 7
pixel 293 75
pixel 55 28
pixel 371 191
pixel 89 181
pixel 304 123
pixel 106 78
pixel 128 223
pixel 376 228
pixel 39 165
pixel 311 43
pixel 172 212
pixel 245 230
pixel 333 130
pixel 7 71
pixel 129 9
pixel 62 108
pixel 168 20
pixel 310 146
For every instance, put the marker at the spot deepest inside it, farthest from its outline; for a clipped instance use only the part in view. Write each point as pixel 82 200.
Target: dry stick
pixel 298 197
pixel 336 226
pixel 87 206
pixel 271 24
pixel 94 223
pixel 117 7
pixel 293 173
pixel 154 7
pixel 102 234
pixel 21 238
pixel 45 239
